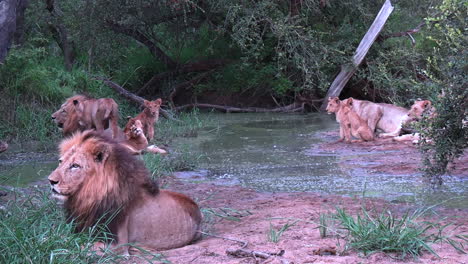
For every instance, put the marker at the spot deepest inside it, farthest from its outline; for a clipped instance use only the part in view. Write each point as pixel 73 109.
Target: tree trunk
pixel 347 71
pixel 11 19
pixel 60 34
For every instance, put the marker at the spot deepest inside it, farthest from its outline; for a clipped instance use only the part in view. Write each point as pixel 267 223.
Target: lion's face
pixel 152 107
pixel 333 105
pixel 67 110
pixel 419 108
pixel 62 115
pixel 78 162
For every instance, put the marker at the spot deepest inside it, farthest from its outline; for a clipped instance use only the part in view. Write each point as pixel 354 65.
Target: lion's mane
pixel 114 188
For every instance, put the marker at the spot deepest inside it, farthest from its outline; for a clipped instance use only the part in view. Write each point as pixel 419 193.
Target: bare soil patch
pixel 302 242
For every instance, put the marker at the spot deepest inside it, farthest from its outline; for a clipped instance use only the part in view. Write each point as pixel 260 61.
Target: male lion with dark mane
pixel 80 113
pixel 99 181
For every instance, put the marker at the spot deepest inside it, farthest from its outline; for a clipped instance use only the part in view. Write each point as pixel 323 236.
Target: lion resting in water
pixel 149 117
pixel 80 113
pixel 99 181
pixel 350 122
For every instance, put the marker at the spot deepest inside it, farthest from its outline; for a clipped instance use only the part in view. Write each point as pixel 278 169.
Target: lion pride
pixel 99 181
pixel 149 116
pixel 80 112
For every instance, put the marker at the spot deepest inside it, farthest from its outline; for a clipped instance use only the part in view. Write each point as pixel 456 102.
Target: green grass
pixel 164 165
pixel 403 236
pixel 34 230
pixel 274 235
pixel 189 125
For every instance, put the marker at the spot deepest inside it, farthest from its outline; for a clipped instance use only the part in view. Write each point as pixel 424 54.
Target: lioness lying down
pixel 419 109
pixel 386 117
pixel 100 181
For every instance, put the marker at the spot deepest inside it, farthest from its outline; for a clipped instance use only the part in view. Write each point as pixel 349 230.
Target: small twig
pixel 244 243
pixel 243 253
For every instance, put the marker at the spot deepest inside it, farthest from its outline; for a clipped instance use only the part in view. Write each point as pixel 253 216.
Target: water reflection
pixel 270 152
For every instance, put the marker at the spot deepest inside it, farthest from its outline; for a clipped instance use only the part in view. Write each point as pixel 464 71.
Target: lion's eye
pixel 74 166
pixel 60 161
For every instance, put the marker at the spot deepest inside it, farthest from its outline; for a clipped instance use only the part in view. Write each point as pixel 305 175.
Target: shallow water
pixel 271 152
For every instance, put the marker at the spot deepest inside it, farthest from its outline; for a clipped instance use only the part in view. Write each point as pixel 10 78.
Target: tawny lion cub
pixel 350 122
pixel 135 141
pixel 149 117
pixel 359 128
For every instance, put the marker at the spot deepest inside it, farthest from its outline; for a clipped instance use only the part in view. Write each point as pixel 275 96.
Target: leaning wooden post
pixel 348 70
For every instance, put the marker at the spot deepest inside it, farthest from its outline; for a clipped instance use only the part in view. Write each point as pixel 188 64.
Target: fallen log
pixel 131 97
pixel 348 70
pixel 294 107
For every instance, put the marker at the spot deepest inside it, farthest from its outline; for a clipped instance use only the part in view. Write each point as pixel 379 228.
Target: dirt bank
pixel 302 242
pixel 388 156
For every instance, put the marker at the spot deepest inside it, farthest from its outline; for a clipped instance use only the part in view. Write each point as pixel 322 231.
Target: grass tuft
pixel 404 236
pixel 275 235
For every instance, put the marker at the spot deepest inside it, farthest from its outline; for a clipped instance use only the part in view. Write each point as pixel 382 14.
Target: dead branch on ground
pixel 130 96
pixel 294 107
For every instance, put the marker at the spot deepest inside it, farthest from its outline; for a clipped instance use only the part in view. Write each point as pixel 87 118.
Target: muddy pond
pixel 272 153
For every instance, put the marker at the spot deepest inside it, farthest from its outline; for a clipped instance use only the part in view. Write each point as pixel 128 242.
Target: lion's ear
pixel 427 103
pixel 158 101
pixel 350 101
pixel 78 106
pixel 101 152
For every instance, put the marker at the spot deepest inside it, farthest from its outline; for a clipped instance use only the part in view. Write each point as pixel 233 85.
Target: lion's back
pixel 166 220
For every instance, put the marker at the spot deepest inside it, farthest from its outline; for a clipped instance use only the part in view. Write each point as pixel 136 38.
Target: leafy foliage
pixel 445 135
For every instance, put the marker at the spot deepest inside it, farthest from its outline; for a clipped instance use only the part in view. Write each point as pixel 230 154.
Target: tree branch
pixel 187 84
pixel 143 39
pixel 203 65
pixel 381 38
pixel 130 96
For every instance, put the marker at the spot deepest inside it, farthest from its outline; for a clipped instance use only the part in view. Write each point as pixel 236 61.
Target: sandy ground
pixel 302 243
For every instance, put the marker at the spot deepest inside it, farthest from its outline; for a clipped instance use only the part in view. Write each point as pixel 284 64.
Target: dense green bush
pixel 445 136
